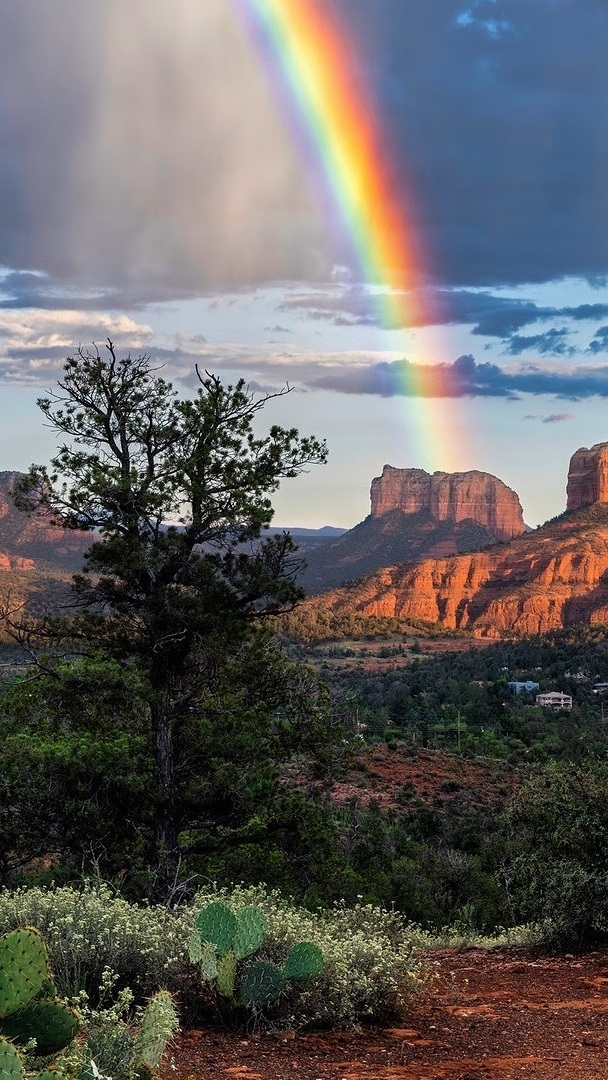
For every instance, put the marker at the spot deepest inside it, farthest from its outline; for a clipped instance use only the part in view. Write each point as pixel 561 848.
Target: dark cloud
pixel 463 378
pixel 24 289
pixel 488 315
pixel 599 344
pixel 143 151
pixel 558 418
pixel 552 343
pixel 146 152
pixel 499 135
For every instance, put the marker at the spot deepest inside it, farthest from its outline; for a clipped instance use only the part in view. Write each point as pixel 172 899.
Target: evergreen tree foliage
pixel 180 577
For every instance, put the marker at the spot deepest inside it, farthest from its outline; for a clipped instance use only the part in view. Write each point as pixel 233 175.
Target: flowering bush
pixel 372 962
pixel 90 930
pixel 371 967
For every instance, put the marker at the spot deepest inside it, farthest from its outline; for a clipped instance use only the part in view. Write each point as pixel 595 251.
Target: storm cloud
pixel 145 154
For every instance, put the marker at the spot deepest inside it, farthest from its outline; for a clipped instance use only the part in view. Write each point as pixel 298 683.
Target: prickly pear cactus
pixel 223 938
pixel 52 1024
pixel 261 984
pixel 251 930
pixel 303 961
pixel 158 1024
pixel 28 1006
pixel 10 1062
pixel 226 974
pixel 24 969
pixel 217 924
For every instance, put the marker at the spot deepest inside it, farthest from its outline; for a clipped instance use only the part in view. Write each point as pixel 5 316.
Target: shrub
pixel 89 930
pixel 557 823
pixel 370 967
pixel 123 1043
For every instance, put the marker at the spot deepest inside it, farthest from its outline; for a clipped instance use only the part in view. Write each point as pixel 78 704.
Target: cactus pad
pixel 208 961
pixel 226 974
pixel 304 960
pixel 23 969
pixel 158 1024
pixel 195 947
pixel 251 928
pixel 10 1062
pixel 50 1023
pixel 217 924
pixel 261 983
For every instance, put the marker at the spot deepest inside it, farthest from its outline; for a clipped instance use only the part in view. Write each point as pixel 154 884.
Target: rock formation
pixel 552 577
pixel 414 516
pixel 468 496
pixel 27 538
pixel 588 477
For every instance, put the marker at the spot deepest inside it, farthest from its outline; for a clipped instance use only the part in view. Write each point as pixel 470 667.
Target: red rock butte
pixel 555 576
pixel 476 496
pixel 588 477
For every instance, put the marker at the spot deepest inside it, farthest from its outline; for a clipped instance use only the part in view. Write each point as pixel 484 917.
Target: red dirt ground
pixel 487 1015
pixel 432 776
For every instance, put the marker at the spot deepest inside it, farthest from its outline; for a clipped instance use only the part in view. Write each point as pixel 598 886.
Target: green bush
pixel 371 964
pixel 91 930
pixel 123 1042
pixel 558 825
pixel 371 968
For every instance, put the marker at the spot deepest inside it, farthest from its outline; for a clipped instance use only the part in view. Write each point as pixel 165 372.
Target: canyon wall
pixel 554 577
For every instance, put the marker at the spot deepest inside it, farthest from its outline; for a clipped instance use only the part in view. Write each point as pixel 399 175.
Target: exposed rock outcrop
pixel 555 576
pixel 15 564
pixel 467 496
pixel 588 477
pixel 28 538
pixel 415 515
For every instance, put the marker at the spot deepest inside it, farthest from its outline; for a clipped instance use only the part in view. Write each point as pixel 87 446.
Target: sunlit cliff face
pixel 141 146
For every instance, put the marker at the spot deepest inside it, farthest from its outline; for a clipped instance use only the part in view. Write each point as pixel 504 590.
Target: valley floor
pixel 487 1015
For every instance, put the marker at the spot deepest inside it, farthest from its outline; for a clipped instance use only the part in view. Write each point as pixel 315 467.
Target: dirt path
pixel 489 1015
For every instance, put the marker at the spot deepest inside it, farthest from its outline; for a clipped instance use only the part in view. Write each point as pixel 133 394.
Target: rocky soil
pixel 486 1015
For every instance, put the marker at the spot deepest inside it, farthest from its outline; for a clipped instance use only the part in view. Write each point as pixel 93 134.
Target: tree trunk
pixel 167 849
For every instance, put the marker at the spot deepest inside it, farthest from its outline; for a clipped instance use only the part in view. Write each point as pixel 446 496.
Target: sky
pixel 165 182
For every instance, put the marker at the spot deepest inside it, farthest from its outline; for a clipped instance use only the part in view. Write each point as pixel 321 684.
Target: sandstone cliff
pixel 475 496
pixel 37 558
pixel 25 539
pixel 415 515
pixel 588 477
pixel 555 576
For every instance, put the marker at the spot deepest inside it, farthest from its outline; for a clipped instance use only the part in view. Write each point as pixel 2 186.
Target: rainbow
pixel 329 98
